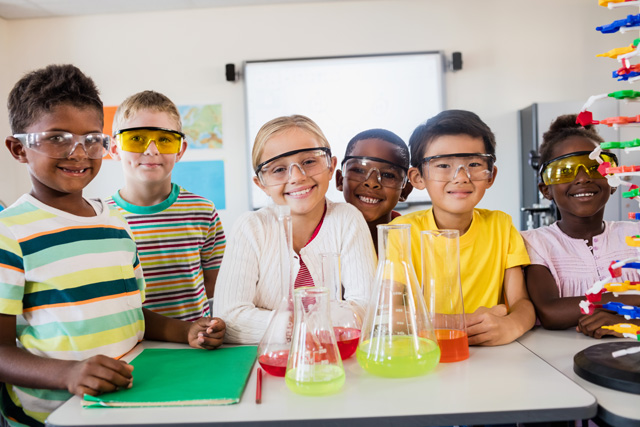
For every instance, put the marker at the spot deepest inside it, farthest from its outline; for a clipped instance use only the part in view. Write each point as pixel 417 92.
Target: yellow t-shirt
pixel 490 246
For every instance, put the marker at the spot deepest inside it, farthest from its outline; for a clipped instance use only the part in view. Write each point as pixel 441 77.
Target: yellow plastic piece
pixel 621 287
pixel 605 3
pixel 633 241
pixel 614 53
pixel 624 328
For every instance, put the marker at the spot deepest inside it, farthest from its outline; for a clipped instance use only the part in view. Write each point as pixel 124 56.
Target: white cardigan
pixel 248 287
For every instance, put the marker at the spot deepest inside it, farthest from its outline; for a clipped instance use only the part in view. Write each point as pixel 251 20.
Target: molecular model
pixel 630 73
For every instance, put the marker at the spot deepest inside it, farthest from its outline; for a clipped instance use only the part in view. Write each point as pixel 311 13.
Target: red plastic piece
pixel 596 296
pixel 615 272
pixel 585 118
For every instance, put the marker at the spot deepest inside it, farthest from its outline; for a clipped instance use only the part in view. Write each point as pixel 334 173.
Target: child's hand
pixel 207 333
pixel 590 324
pixel 485 326
pixel 98 374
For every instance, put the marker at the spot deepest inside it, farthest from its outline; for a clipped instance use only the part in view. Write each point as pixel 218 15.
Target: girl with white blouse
pixel 292 161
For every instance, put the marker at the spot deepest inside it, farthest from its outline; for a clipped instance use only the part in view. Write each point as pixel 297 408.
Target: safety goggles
pixel 477 166
pixel 564 169
pixel 309 161
pixel 360 168
pixel 60 145
pixel 137 140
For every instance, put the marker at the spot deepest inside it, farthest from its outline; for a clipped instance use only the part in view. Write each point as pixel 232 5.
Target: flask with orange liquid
pixel 443 292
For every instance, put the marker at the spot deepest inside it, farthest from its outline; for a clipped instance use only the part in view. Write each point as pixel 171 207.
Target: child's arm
pixel 98 374
pixel 205 332
pixel 501 325
pixel 554 311
pixel 210 277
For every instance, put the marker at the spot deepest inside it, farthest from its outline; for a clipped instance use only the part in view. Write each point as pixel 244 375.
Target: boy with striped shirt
pixel 71 286
pixel 179 234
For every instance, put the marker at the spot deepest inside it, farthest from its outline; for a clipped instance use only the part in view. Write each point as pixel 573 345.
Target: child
pixel 293 165
pixel 179 235
pixel 375 194
pixel 452 156
pixel 569 256
pixel 71 286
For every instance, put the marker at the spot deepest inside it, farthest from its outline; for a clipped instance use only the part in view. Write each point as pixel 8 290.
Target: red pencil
pixel 259 386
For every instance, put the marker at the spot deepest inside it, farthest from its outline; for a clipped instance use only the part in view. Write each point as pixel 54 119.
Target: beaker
pixel 314 367
pixel 346 317
pixel 273 350
pixel 397 338
pixel 440 253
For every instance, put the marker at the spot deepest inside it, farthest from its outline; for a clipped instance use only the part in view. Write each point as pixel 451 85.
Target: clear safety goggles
pixel 60 145
pixel 309 161
pixel 360 168
pixel 477 166
pixel 137 140
pixel 565 168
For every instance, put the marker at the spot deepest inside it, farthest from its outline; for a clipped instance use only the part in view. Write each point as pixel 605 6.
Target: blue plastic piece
pixel 629 21
pixel 627 76
pixel 623 309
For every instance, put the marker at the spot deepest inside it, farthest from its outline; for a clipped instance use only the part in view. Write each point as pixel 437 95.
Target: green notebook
pixel 183 377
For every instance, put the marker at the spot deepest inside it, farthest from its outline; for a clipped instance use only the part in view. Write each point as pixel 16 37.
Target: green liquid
pixel 400 356
pixel 315 380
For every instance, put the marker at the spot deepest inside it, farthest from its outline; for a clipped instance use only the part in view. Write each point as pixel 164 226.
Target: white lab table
pixel 495 385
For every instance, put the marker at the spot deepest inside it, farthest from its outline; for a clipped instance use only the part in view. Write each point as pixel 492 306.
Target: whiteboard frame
pixel 417 196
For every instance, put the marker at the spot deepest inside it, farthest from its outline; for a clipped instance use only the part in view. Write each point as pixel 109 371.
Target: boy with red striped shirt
pixel 179 235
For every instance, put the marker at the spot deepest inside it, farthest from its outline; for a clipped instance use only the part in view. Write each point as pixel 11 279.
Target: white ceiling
pixel 26 9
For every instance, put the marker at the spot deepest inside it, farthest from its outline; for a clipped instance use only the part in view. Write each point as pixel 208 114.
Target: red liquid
pixel 454 345
pixel 347 339
pixel 275 363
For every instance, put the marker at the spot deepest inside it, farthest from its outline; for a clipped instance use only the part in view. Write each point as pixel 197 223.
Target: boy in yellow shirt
pixel 452 157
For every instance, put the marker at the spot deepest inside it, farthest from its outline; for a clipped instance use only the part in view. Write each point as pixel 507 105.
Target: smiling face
pixel 303 194
pixel 584 196
pixel 370 197
pixel 53 178
pixel 459 196
pixel 150 167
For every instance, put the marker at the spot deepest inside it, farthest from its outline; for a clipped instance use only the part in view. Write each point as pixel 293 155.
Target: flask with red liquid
pixel 346 317
pixel 443 292
pixel 273 350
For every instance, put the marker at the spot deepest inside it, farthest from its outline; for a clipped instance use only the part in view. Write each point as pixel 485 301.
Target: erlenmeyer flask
pixel 440 253
pixel 273 350
pixel 346 317
pixel 314 367
pixel 397 339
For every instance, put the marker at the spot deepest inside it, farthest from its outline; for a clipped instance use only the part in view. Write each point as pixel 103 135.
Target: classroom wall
pixel 515 52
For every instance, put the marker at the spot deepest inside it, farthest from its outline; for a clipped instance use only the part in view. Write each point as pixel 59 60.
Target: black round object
pixel 597 365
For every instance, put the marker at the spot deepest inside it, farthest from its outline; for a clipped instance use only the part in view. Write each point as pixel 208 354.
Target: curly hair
pixel 39 91
pixel 561 128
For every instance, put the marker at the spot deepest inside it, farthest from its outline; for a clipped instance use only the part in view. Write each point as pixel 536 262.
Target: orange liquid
pixel 454 345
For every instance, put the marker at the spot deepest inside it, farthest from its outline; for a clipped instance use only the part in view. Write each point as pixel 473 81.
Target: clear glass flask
pixel 314 367
pixel 273 350
pixel 397 338
pixel 440 253
pixel 346 317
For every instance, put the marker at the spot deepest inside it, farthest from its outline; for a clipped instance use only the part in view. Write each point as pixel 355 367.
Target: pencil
pixel 259 386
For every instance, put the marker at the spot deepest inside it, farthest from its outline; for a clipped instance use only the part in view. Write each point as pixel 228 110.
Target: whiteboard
pixel 344 96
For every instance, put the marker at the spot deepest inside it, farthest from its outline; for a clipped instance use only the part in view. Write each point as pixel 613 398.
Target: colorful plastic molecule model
pixel 621 144
pixel 620 24
pixel 617 3
pixel 628 311
pixel 624 329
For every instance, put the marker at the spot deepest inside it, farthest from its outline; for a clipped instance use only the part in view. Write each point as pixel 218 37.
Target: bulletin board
pixel 344 96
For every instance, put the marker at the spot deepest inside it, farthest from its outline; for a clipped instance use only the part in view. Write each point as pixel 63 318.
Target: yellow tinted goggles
pixel 565 168
pixel 137 140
